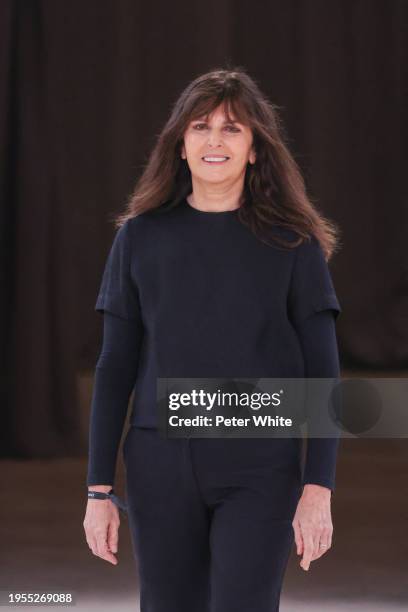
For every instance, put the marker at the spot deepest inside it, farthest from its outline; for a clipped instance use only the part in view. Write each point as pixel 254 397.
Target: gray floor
pixel 43 544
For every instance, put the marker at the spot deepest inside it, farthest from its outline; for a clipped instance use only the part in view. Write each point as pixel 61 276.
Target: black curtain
pixel 87 86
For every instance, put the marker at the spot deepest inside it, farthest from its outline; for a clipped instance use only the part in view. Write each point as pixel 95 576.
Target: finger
pixel 298 538
pixel 113 537
pixel 330 538
pixel 317 538
pixel 101 540
pixel 88 536
pixel 308 551
pixel 90 543
pixel 104 552
pixel 93 544
pixel 325 542
pixel 322 550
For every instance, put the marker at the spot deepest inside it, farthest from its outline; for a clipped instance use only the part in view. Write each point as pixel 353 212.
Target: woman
pixel 219 268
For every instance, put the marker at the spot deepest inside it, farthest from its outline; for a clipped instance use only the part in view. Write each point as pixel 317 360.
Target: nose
pixel 214 138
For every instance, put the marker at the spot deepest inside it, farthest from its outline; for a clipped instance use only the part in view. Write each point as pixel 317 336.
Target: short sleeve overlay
pixel 118 293
pixel 311 288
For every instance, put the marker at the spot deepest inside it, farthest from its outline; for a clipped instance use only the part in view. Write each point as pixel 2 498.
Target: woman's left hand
pixel 312 523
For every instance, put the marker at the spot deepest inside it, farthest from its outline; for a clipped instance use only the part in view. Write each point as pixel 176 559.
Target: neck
pixel 216 201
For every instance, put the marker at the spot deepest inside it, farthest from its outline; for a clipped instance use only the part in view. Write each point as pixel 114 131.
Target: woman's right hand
pixel 101 526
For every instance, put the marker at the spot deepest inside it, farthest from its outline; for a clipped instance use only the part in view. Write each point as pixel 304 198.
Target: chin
pixel 212 180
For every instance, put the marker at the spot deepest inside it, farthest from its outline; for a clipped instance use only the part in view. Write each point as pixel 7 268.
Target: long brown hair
pixel 274 191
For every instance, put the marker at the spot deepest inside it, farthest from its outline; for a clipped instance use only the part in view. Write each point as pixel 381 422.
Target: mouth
pixel 215 159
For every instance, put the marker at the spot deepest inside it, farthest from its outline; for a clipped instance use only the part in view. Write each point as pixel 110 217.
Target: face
pixel 207 140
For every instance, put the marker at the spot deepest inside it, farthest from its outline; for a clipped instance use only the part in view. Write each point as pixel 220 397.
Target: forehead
pixel 227 111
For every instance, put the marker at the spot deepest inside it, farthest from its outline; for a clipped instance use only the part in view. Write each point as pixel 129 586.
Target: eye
pixel 200 126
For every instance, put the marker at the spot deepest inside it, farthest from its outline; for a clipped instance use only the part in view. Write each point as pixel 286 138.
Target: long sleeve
pixel 313 309
pixel 116 369
pixel 115 376
pixel 317 337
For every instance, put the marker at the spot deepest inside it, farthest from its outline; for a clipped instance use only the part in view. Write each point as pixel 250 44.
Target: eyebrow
pixel 226 121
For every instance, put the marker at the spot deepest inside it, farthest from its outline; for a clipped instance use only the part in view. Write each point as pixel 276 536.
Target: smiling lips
pixel 215 159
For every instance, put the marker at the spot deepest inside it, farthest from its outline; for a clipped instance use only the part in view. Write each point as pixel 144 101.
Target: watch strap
pixel 110 495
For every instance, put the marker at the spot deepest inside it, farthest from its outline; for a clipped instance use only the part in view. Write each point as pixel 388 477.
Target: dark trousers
pixel 210 520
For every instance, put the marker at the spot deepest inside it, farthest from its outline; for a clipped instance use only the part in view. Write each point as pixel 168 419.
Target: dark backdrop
pixel 86 86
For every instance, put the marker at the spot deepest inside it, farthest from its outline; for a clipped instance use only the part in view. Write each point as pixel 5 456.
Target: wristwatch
pixel 110 495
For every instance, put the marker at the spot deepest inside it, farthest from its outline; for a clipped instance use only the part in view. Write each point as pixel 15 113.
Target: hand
pixel 312 523
pixel 101 526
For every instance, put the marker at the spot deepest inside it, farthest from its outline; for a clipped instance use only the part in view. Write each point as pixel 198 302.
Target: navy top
pixel 190 293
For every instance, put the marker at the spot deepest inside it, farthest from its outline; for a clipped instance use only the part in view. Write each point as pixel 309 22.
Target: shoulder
pixel 311 287
pixel 140 220
pixel 138 225
pixel 308 261
pixel 303 248
pixel 310 254
pixel 144 232
pixel 148 218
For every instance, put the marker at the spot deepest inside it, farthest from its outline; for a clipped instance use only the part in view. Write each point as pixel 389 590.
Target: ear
pixel 252 156
pixel 183 152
